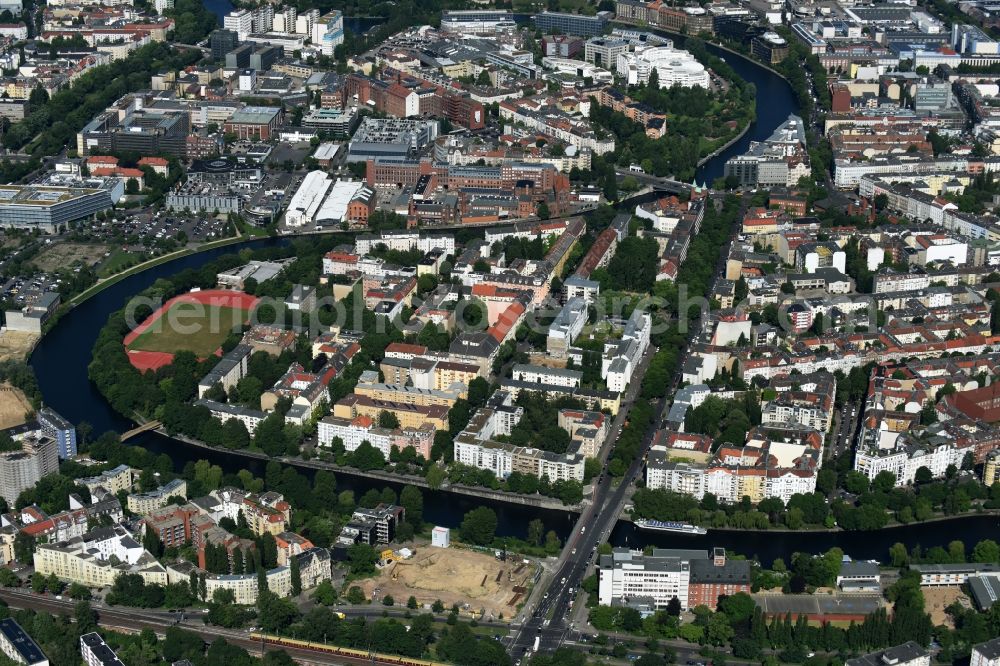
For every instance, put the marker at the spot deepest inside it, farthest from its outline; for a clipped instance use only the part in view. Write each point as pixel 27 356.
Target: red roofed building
pixel 403 350
pixel 339 263
pixel 157 164
pixel 120 172
pixel 289 545
pixel 600 253
pixel 507 322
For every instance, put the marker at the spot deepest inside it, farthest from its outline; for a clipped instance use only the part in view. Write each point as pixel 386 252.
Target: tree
pixel 412 501
pixel 325 594
pixel 387 600
pixel 543 211
pixel 151 542
pixel 411 603
pixel 24 548
pixel 355 595
pixel 923 475
pixel 536 532
pixel 738 607
pixel 85 617
pixel 479 526
pixel 361 559
pixel 388 420
pixel 674 607
pixel 986 551
pixel 296 575
pixel 275 613
pixel 38 97
pixel 8 578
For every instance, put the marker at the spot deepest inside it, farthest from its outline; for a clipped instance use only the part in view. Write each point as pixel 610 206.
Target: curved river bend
pixel 61 358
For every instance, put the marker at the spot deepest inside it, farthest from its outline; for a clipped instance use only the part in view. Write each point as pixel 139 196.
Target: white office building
pixel 628 574
pixel 672 66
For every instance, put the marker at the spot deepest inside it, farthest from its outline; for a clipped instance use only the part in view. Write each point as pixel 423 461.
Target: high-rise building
pixel 239 21
pixel 20 470
pixel 328 32
pixel 55 426
pixel 222 42
pixel 572 24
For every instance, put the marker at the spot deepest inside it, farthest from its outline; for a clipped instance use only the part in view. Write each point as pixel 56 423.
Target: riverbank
pixel 721 149
pixel 101 285
pixel 539 501
pixel 839 530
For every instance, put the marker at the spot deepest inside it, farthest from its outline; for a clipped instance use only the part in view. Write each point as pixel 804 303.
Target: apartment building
pixel 565 328
pixel 538 374
pixel 95 652
pixel 371 526
pixel 21 470
pixel 144 503
pixel 907 654
pixel 230 369
pixel 410 416
pixel 224 411
pixel 19 646
pixel 351 432
pixel 113 480
pixel 986 654
pixel 586 428
pixel 62 431
pixel 78 561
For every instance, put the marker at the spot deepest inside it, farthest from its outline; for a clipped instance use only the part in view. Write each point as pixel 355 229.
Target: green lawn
pixel 190 326
pixel 118 260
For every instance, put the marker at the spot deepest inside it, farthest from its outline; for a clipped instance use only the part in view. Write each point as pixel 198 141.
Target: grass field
pixel 118 260
pixel 63 255
pixel 192 327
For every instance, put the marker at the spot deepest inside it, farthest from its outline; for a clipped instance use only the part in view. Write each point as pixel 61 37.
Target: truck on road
pixel 534 648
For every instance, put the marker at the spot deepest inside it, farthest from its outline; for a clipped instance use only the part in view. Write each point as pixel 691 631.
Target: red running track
pixel 153 360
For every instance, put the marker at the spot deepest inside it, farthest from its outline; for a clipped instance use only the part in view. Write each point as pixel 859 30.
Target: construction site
pixel 483 585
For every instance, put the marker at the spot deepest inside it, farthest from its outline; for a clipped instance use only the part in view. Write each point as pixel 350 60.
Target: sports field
pixel 190 327
pixel 197 322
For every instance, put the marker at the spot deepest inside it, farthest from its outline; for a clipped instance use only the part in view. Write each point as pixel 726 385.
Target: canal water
pixel 61 358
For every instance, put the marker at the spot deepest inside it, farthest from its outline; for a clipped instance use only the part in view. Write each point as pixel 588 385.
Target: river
pixel 61 358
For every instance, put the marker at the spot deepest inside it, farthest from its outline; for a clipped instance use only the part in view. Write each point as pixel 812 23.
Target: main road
pixel 548 620
pixel 547 617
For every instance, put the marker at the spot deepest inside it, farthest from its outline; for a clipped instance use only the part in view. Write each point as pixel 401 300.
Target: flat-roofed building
pixel 19 646
pixel 21 470
pixel 254 122
pixel 95 652
pixel 907 654
pixel 230 369
pixel 49 207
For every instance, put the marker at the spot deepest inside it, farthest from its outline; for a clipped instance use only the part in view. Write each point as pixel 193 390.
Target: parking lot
pixel 164 224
